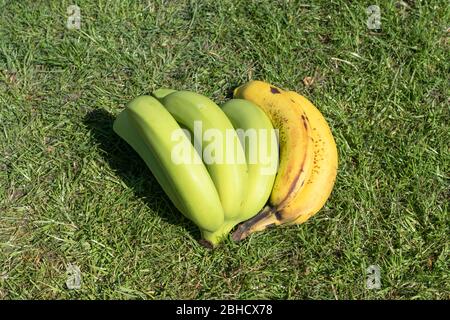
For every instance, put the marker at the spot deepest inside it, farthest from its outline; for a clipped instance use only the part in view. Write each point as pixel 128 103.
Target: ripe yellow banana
pixel 323 176
pixel 310 199
pixel 148 127
pixel 296 155
pixel 261 152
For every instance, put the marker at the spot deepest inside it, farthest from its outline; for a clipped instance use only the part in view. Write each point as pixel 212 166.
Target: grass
pixel 71 192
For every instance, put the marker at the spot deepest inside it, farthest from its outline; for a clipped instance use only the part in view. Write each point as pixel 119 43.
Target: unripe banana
pixel 227 169
pixel 260 143
pixel 162 92
pixel 149 128
pixel 126 131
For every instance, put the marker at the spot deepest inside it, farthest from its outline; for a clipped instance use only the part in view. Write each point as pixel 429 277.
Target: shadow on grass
pixel 229 90
pixel 132 169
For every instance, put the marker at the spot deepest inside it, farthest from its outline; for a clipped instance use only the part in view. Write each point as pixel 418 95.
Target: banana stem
pixel 265 218
pixel 211 239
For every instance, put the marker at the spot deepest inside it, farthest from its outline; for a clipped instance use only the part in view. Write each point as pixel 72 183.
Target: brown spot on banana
pixel 305 122
pixel 274 90
pixel 293 186
pixel 279 216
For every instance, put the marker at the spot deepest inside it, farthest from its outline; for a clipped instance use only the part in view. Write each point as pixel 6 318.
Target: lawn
pixel 73 194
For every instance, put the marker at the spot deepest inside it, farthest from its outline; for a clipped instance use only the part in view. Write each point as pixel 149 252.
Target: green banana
pixel 224 156
pixel 149 128
pixel 261 152
pixel 126 130
pixel 162 92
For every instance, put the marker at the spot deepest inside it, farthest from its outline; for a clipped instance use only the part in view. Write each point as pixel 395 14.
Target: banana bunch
pixel 193 149
pixel 308 158
pixel 266 157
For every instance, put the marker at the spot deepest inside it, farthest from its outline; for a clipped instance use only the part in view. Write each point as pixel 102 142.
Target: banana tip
pixel 239 234
pixel 206 244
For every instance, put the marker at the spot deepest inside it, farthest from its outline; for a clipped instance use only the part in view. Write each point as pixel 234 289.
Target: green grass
pixel 72 192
